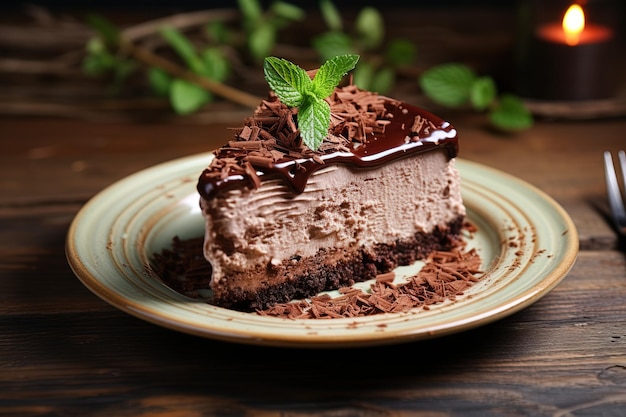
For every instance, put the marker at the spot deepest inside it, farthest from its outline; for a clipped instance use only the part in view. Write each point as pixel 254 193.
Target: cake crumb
pixel 445 275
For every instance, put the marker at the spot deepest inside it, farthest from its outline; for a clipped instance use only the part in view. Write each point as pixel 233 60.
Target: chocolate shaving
pixel 421 127
pixel 272 133
pixel 254 144
pixel 183 267
pixel 445 275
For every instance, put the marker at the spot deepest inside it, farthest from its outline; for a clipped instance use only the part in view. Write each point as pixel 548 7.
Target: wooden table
pixel 63 351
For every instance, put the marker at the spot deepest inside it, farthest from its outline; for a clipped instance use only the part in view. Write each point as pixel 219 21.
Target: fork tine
pixel 615 196
pixel 621 155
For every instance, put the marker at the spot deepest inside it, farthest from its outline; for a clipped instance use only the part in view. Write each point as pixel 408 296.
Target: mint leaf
pixel 183 47
pixel 331 15
pixel 331 72
pixel 333 43
pixel 216 65
pixel 94 65
pixel 218 32
pixel 511 114
pixel 187 97
pixel 313 121
pixel 261 40
pixel 363 75
pixel 289 81
pixel 287 11
pixel 448 84
pixel 250 9
pixel 383 80
pixel 159 80
pixel 98 59
pixel 482 92
pixel 294 87
pixel 400 52
pixel 107 30
pixel 370 27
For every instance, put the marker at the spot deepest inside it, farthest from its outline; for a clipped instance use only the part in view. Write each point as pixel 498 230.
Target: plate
pixel 526 241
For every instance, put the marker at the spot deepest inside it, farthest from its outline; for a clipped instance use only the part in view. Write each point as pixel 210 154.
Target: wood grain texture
pixel 566 352
pixel 65 352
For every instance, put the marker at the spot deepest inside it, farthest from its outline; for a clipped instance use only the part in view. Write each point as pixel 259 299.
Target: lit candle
pixel 573 31
pixel 570 60
pixel 573 24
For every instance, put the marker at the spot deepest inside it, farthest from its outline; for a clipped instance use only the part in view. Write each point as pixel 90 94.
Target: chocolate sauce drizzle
pixel 367 130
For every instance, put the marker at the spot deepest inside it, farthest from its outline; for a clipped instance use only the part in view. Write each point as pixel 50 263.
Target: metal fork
pixel 615 196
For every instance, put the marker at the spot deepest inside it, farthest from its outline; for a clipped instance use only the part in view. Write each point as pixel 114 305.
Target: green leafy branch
pixel 451 85
pixel 202 71
pixel 295 88
pixel 378 69
pixel 454 85
pixel 261 27
pixel 187 87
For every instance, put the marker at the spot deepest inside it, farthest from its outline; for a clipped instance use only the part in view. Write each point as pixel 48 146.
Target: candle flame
pixel 573 24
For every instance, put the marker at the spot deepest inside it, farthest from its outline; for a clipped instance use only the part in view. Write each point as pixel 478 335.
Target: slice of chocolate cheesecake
pixel 284 221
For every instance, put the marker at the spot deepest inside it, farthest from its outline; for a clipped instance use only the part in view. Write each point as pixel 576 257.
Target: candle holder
pixel 558 59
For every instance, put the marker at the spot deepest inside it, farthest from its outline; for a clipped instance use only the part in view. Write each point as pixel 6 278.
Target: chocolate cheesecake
pixel 285 222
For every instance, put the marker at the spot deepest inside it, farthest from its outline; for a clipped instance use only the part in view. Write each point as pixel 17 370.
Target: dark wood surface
pixel 65 352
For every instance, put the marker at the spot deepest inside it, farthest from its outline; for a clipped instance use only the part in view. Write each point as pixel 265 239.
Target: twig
pixel 178 21
pixel 148 57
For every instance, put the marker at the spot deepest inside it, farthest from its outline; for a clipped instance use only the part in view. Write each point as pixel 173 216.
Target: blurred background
pixel 116 60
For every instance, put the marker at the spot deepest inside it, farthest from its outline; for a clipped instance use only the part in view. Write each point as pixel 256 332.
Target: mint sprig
pixel 295 88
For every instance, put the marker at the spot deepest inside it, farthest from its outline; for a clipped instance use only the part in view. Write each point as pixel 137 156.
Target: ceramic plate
pixel 526 241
